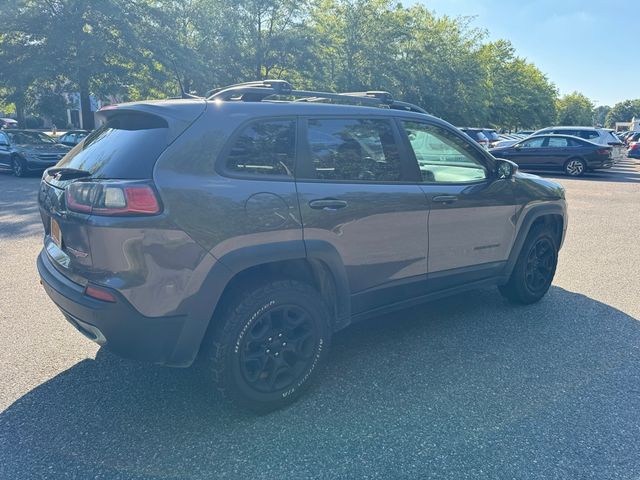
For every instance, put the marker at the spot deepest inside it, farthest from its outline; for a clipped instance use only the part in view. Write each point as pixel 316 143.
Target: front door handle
pixel 445 199
pixel 329 204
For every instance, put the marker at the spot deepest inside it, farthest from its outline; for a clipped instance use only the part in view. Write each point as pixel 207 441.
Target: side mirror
pixel 505 169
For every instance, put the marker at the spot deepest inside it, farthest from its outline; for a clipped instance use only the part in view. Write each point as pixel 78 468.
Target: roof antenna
pixel 183 94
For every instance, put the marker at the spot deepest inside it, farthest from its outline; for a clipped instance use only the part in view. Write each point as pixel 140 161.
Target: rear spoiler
pixel 176 115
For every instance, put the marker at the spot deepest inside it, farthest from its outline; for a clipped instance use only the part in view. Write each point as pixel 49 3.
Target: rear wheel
pixel 535 268
pixel 575 167
pixel 270 346
pixel 18 167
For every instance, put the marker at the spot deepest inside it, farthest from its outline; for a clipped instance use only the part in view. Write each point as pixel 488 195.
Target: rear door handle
pixel 328 204
pixel 445 199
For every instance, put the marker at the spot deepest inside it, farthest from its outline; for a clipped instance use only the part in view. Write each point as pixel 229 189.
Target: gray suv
pixel 246 228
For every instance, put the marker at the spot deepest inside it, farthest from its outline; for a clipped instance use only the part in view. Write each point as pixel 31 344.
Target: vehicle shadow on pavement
pixel 467 387
pixel 19 214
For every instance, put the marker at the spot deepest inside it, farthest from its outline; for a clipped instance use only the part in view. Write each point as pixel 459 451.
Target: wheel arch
pixel 552 216
pixel 319 265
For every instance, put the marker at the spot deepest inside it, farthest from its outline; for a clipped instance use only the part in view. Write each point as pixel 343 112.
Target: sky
pixel 589 46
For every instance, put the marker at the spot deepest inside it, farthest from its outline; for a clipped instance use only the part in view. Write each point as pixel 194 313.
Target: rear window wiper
pixel 63 173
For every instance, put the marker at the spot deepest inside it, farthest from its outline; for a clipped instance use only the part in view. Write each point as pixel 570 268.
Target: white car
pixel 600 136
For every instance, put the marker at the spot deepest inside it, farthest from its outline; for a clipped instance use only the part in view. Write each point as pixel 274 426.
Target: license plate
pixel 56 234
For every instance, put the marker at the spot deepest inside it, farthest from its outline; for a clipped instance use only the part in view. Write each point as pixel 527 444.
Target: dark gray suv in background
pixel 250 226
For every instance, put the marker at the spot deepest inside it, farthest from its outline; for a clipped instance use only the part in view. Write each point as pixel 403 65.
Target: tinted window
pixel 353 150
pixel 126 146
pixel 558 142
pixel 533 143
pixel 264 148
pixel 588 134
pixel 442 156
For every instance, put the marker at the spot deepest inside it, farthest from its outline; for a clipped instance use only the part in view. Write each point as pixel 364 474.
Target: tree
pixel 574 109
pixel 88 42
pixel 520 95
pixel 623 112
pixel 600 115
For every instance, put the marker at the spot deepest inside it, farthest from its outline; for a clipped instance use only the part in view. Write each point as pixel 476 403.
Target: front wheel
pixel 18 167
pixel 575 167
pixel 270 345
pixel 535 268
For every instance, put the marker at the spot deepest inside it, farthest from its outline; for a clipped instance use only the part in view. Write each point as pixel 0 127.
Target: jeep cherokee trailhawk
pixel 246 228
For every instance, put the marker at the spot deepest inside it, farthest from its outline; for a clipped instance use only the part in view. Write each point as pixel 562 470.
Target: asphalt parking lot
pixel 468 387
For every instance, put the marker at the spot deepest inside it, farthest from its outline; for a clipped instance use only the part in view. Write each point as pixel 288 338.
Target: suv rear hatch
pixel 107 178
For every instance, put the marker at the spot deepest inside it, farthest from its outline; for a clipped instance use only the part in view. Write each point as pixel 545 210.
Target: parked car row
pixel 570 154
pixel 573 150
pixel 544 149
pixel 8 123
pixel 26 151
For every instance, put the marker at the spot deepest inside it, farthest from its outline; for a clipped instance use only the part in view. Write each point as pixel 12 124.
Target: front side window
pixel 266 147
pixel 442 156
pixel 350 149
pixel 533 143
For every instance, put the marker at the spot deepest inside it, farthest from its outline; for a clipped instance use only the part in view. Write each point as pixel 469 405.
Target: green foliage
pixel 623 112
pixel 600 115
pixel 574 109
pixel 126 50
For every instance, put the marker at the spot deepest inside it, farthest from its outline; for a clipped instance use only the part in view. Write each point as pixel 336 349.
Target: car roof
pixel 274 107
pixel 569 128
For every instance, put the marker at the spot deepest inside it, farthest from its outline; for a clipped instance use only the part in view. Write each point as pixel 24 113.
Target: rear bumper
pixel 596 164
pixel 117 326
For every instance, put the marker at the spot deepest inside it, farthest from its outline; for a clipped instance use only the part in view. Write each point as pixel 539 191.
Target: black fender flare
pixel 218 273
pixel 525 225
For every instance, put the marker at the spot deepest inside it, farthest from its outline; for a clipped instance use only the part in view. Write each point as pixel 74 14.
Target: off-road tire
pixel 519 289
pixel 237 336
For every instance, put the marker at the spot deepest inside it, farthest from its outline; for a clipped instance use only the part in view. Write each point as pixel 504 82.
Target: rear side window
pixel 588 134
pixel 265 147
pixel 126 146
pixel 350 149
pixel 559 142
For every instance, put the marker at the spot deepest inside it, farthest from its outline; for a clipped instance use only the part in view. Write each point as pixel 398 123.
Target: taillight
pixel 112 198
pixel 603 151
pixel 100 294
pixel 634 146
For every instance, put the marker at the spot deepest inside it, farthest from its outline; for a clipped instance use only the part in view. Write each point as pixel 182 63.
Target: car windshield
pixel 30 138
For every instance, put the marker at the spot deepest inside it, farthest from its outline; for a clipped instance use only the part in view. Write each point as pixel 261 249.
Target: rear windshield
pixel 126 146
pixel 492 135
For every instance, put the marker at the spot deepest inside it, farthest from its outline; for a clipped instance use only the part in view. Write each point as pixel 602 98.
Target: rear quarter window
pixel 126 146
pixel 263 148
pixel 588 134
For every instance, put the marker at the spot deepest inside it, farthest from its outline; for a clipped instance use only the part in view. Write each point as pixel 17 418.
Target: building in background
pixel 633 125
